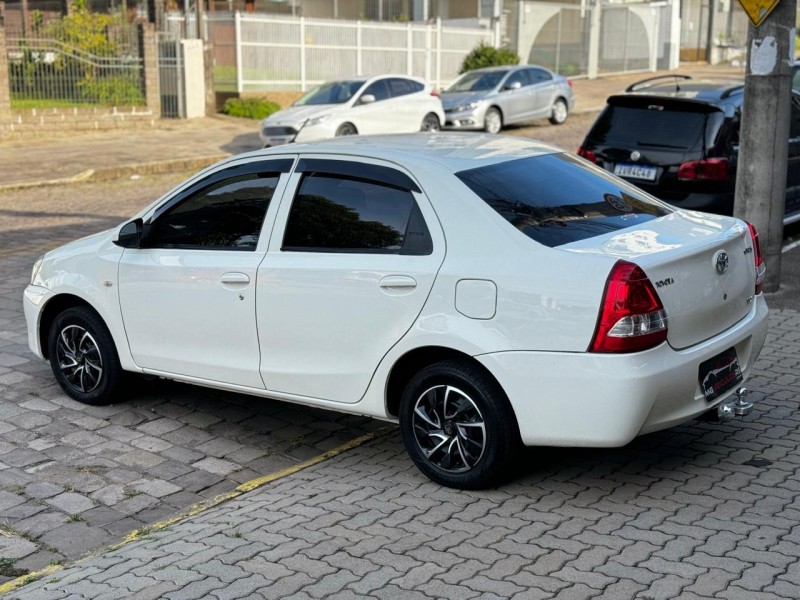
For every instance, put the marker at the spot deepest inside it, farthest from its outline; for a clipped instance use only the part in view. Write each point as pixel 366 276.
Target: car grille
pixel 279 131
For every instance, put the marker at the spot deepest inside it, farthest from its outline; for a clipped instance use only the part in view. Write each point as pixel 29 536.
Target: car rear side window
pixel 333 213
pixel 556 199
pixel 654 127
pixel 226 215
pixel 403 87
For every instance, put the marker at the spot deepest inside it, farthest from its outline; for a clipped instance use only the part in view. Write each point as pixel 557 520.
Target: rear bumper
pixel 594 400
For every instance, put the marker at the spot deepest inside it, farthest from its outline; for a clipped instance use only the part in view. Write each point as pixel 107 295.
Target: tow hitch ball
pixel 739 406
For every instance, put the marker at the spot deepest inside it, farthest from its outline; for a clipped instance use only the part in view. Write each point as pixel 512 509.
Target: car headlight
pixel 36 266
pixel 469 106
pixel 317 120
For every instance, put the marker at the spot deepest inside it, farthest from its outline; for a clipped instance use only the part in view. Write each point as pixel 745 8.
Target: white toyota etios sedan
pixel 484 291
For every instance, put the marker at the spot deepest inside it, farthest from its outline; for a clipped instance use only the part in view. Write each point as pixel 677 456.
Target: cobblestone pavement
pixel 700 511
pixel 75 478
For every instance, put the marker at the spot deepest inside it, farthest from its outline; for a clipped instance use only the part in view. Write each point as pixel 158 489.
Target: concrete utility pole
pixel 764 135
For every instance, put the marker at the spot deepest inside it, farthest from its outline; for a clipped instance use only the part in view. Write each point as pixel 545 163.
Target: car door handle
pixel 235 279
pixel 398 281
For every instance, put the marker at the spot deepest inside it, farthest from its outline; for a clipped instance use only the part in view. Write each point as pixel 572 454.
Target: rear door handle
pixel 235 279
pixel 398 281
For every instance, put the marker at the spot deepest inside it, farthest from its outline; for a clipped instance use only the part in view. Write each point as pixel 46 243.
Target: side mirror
pixel 130 235
pixel 515 85
pixel 367 99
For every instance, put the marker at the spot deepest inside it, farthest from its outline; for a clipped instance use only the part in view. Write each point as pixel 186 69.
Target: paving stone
pixel 216 466
pixel 158 488
pixel 71 503
pixel 141 459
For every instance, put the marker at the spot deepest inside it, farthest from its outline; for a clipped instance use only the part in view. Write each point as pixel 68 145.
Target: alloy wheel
pixel 79 358
pixel 449 428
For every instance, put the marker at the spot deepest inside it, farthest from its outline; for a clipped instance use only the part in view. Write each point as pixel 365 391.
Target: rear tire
pixel 83 356
pixel 560 112
pixel 431 124
pixel 458 426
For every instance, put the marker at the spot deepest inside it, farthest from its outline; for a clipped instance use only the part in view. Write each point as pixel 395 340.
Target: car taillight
pixel 569 82
pixel 435 93
pixel 632 317
pixel 587 154
pixel 710 169
pixel 761 267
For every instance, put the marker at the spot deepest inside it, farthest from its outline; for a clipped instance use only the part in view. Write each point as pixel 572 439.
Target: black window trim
pixel 368 172
pixel 265 167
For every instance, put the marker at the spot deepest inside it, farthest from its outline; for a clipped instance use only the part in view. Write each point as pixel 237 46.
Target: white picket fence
pixel 259 53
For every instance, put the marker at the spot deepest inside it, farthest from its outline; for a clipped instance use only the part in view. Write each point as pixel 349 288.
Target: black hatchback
pixel 678 139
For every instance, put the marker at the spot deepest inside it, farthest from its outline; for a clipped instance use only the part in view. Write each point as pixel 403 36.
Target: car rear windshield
pixel 629 126
pixel 557 199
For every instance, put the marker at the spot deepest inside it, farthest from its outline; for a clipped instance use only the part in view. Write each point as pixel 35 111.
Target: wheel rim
pixel 560 111
pixel 347 130
pixel 79 358
pixel 431 124
pixel 449 429
pixel 493 123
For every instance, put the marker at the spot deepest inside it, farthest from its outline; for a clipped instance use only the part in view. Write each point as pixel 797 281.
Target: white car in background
pixel 484 291
pixel 356 106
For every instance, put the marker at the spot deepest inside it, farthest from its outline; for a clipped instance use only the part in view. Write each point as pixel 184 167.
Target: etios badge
pixel 721 261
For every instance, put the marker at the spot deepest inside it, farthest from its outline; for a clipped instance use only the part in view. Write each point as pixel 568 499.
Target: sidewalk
pixel 176 146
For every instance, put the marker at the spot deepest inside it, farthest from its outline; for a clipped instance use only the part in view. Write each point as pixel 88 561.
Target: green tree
pixel 486 55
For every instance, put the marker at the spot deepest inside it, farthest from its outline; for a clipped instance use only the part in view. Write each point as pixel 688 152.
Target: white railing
pixel 278 53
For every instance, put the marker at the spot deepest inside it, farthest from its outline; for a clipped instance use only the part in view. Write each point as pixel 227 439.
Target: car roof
pixel 700 90
pixel 456 151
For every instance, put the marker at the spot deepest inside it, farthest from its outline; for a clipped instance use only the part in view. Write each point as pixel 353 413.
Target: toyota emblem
pixel 721 261
pixel 635 155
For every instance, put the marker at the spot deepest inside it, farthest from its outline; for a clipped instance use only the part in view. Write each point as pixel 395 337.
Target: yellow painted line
pixel 201 507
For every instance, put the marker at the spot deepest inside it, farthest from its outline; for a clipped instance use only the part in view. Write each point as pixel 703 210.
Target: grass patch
pixel 30 104
pixel 7 568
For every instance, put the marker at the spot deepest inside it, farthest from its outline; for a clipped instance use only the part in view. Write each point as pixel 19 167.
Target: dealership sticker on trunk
pixel 719 374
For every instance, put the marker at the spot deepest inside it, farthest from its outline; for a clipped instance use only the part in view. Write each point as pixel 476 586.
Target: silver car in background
pixel 493 97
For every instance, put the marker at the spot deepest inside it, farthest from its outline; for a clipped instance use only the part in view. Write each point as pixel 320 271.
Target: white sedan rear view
pixel 486 292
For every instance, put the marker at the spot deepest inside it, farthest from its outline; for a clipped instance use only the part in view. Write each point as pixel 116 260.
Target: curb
pixel 177 165
pixel 201 507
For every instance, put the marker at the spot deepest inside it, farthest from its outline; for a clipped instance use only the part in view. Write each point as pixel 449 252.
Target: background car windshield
pixel 555 199
pixel 333 92
pixel 631 127
pixel 477 82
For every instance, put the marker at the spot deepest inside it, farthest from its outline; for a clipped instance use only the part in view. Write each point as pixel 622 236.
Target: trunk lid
pixel 702 267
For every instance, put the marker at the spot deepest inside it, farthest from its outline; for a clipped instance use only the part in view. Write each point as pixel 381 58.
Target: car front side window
pixel 224 215
pixel 378 89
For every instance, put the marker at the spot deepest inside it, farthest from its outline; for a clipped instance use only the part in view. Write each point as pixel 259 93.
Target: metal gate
pixel 170 75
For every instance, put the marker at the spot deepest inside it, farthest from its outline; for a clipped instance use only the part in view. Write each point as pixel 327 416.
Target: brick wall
pixel 5 94
pixel 41 122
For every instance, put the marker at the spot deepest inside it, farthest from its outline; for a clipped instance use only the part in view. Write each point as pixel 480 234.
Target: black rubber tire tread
pixel 499 114
pixel 425 119
pixel 502 431
pixel 552 118
pixel 108 390
pixel 342 127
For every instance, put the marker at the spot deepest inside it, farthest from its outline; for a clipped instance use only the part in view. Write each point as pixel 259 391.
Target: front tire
pixel 83 356
pixel 346 129
pixel 458 426
pixel 560 112
pixel 493 121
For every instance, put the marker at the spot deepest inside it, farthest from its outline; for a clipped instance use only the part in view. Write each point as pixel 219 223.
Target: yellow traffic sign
pixel 758 10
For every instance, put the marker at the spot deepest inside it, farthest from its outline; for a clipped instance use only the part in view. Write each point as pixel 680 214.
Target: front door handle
pixel 398 281
pixel 235 279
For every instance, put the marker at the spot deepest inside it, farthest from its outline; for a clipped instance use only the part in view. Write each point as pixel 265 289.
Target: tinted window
pixel 539 75
pixel 331 213
pixel 628 127
pixel 403 87
pixel 225 215
pixel 477 81
pixel 333 92
pixel 554 199
pixel 379 90
pixel 520 77
pixel 794 123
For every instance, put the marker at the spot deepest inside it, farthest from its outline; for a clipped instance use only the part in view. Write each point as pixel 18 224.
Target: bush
pixel 249 108
pixel 112 91
pixel 484 55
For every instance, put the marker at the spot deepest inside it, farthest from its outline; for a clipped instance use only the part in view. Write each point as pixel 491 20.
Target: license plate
pixel 635 171
pixel 277 141
pixel 719 374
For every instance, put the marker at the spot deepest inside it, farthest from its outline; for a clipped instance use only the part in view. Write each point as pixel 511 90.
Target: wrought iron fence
pixel 43 71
